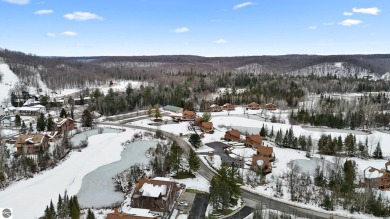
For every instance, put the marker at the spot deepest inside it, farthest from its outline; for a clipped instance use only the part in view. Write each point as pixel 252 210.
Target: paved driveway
pixel 198 210
pixel 187 198
pixel 218 150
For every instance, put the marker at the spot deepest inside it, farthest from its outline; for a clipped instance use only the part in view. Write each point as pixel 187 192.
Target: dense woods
pixel 369 111
pixel 80 72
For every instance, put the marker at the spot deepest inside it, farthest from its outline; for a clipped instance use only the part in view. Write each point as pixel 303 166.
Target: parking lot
pixel 219 150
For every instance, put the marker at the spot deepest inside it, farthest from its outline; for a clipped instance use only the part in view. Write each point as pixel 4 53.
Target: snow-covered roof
pixel 260 163
pixel 175 115
pixel 51 134
pixel 38 106
pixel 150 190
pixel 372 173
pixel 29 102
pixel 140 212
pixel 26 108
pixel 163 179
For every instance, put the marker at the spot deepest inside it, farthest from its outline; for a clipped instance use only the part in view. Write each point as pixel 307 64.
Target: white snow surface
pixel 9 80
pixel 198 183
pixel 150 190
pixel 38 191
pixel 140 212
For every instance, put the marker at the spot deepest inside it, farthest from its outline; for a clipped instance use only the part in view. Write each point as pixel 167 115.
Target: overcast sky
pixel 195 27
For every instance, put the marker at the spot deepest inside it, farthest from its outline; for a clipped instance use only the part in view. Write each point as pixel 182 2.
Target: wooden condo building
pixel 31 144
pixel 261 162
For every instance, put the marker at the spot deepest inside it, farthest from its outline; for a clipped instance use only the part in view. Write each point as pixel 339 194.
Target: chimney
pixel 116 210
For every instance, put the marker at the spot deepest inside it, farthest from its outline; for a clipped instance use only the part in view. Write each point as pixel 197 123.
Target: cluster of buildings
pixel 151 199
pixel 261 161
pixel 250 106
pixel 188 115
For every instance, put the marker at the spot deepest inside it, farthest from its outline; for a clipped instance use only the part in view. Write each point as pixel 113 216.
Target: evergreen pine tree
pixel 378 152
pixel 349 143
pixel 50 124
pixel 18 121
pixel 157 113
pixel 295 143
pixel 90 214
pixel 339 143
pixel 59 207
pixel 262 132
pixel 52 209
pixel 63 113
pixel 175 157
pixel 309 143
pixel 302 142
pixel 86 118
pixel 41 122
pixel 195 140
pixel 349 170
pixel 271 134
pixel 24 127
pixel 193 161
pixel 150 111
pixel 74 208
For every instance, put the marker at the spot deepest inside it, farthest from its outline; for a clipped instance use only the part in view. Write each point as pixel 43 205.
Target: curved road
pixel 251 199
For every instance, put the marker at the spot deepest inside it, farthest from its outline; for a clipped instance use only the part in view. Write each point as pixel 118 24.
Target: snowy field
pixel 119 86
pixel 38 191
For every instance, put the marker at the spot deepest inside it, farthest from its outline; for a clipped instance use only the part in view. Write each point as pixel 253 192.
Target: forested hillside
pixel 65 72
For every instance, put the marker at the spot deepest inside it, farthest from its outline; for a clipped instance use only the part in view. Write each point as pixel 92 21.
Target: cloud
pixel 243 5
pixel 220 41
pixel 51 34
pixel 18 2
pixel 44 11
pixel 82 16
pixel 373 11
pixel 347 13
pixel 69 33
pixel 181 30
pixel 312 27
pixel 350 22
pixel 329 24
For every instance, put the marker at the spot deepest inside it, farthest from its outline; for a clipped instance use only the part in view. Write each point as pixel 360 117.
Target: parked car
pixel 185 204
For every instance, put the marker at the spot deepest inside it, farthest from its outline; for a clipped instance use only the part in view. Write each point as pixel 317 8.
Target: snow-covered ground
pixel 222 121
pixel 38 191
pixel 119 86
pixel 8 81
pixel 198 183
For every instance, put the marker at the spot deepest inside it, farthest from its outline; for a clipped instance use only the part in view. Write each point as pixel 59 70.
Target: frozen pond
pixel 309 166
pixel 98 186
pixel 77 138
